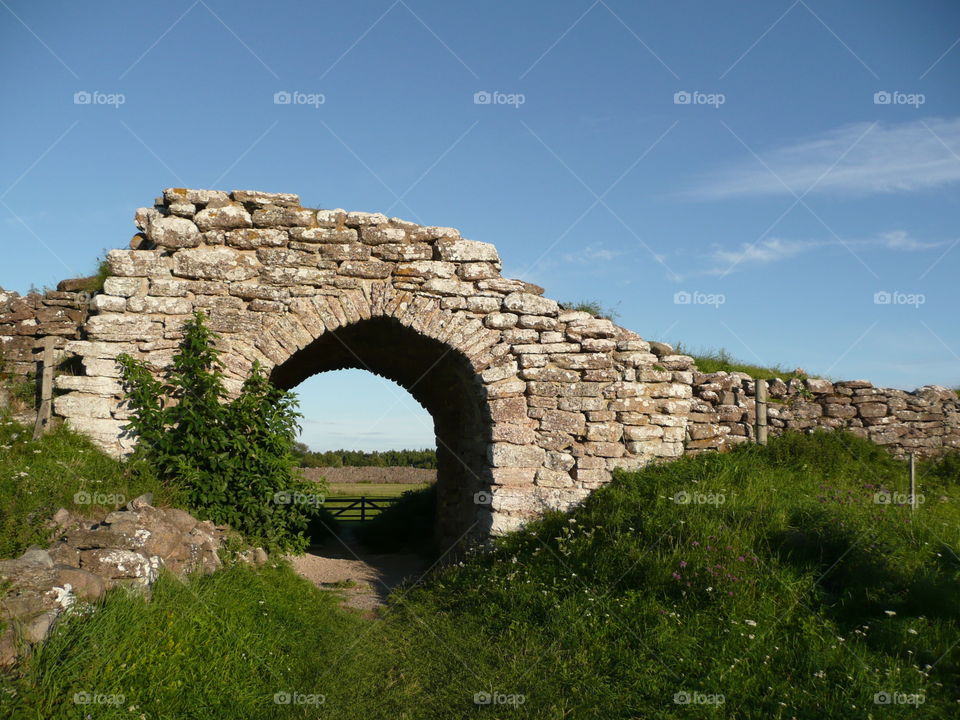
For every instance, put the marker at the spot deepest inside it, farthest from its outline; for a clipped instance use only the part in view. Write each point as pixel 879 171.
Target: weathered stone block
pixel 279 216
pixel 223 218
pixel 216 263
pixel 529 304
pixel 173 232
pixel 251 239
pixel 125 287
pixel 519 456
pixel 466 251
pixel 366 269
pixel 380 235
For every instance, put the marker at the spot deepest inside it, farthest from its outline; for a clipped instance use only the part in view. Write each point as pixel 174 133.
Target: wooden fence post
pixel 45 411
pixel 913 483
pixel 760 396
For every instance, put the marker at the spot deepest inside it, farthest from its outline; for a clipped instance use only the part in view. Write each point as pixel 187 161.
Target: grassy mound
pixel 769 578
pixel 61 469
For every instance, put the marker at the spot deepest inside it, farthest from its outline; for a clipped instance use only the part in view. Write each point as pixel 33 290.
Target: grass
pixel 591 306
pixel 61 469
pixel 371 489
pixel 710 361
pixel 782 587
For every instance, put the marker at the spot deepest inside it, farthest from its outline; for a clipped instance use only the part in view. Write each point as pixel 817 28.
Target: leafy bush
pixel 233 460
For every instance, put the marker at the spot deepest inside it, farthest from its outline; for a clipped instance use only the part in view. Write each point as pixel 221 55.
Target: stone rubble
pixel 86 558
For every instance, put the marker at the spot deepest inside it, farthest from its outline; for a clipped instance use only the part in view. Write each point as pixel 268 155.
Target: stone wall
pixel 925 421
pixel 26 319
pixel 533 405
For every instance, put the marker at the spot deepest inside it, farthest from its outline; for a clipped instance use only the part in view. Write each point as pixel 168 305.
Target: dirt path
pixel 364 578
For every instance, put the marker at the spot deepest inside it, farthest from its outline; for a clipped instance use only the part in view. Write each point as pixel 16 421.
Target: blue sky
pixel 774 164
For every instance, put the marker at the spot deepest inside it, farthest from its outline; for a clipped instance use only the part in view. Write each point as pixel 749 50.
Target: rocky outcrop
pixel 125 548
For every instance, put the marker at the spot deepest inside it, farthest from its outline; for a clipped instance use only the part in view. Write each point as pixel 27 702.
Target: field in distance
pixel 372 481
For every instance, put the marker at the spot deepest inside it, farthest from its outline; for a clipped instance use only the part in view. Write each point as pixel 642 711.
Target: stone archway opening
pixel 442 380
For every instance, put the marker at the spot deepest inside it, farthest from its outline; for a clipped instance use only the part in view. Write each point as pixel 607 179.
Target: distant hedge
pixel 425 459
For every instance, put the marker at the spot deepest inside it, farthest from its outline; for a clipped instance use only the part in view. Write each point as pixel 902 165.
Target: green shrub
pixel 233 461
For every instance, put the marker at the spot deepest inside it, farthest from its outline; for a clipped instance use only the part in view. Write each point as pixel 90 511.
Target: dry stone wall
pixel 26 319
pixel 925 422
pixel 533 405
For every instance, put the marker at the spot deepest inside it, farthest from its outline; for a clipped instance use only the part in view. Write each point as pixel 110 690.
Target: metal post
pixel 760 397
pixel 46 388
pixel 913 483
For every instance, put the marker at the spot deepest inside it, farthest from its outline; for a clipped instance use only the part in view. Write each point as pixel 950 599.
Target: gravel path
pixel 364 578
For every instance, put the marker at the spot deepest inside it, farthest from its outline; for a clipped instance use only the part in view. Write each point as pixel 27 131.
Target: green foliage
pixel 95 282
pixel 62 469
pixel 709 361
pixel 406 525
pixel 23 389
pixel 591 306
pixel 232 461
pixel 426 459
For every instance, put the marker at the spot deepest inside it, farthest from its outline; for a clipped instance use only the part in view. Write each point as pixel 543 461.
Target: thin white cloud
pixel 593 254
pixel 890 158
pixel 773 250
pixel 768 251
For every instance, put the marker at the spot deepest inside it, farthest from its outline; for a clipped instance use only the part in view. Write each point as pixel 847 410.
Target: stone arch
pixel 442 380
pixel 550 400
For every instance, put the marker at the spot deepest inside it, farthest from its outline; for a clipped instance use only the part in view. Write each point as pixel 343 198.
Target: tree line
pixel 306 457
